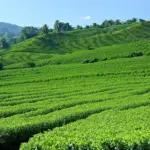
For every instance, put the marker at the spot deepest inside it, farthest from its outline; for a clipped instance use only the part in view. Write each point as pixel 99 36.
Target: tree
pixel 111 22
pixel 4 44
pixel 141 20
pixel 118 22
pixel 56 26
pixel 78 27
pixel 87 26
pixel 106 23
pixel 50 30
pixel 29 32
pixel 95 25
pixel 45 29
pixel 134 20
pixel 65 26
pixel 61 26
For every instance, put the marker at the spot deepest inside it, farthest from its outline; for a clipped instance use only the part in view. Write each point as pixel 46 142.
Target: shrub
pixel 94 60
pixel 104 59
pixel 29 64
pixel 1 66
pixel 136 54
pixel 90 48
pixel 86 61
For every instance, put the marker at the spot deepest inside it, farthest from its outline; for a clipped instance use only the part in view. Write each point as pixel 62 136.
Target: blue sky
pixel 82 12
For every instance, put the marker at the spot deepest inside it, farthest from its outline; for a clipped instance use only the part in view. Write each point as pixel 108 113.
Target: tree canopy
pixel 29 32
pixel 45 29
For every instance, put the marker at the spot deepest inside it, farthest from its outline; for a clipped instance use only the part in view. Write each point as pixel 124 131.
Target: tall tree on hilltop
pixel 141 20
pixel 95 25
pixel 118 22
pixel 61 26
pixel 45 29
pixel 57 26
pixel 78 27
pixel 134 20
pixel 29 32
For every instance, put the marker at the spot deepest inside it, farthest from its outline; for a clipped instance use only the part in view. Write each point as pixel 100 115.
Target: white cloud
pixel 86 17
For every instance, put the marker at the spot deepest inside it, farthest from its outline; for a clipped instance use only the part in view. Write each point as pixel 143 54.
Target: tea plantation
pixel 85 99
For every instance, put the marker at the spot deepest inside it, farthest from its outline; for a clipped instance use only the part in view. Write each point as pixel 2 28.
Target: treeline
pixel 30 31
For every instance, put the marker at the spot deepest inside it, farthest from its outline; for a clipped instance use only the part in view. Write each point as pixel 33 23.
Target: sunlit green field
pixel 102 105
pixel 88 90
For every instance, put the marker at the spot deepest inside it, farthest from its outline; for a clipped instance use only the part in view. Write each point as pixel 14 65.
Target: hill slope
pixel 9 28
pixel 56 44
pixel 62 43
pixel 39 99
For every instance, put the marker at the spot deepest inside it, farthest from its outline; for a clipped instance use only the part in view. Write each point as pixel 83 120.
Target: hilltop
pixel 79 45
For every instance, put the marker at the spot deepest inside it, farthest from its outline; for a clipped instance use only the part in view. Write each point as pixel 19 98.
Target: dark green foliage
pixel 136 54
pixel 45 29
pixel 29 32
pixel 29 65
pixel 94 60
pixel 107 23
pixel 95 25
pixel 87 26
pixel 141 20
pixel 86 61
pixel 1 66
pixel 90 48
pixel 130 21
pixel 4 44
pixel 104 59
pixel 61 26
pixel 78 27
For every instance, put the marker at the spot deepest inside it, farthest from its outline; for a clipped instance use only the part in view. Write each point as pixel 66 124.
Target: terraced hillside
pixel 95 99
pixel 56 44
pixel 40 99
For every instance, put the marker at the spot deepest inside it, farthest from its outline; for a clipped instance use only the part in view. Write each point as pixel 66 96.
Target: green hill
pixel 61 43
pixel 80 46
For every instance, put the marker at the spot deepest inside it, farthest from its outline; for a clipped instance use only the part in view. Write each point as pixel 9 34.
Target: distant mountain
pixel 9 28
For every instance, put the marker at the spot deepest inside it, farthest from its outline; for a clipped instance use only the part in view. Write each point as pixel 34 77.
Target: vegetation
pixel 28 32
pixel 1 66
pixel 82 88
pixel 3 44
pixel 29 64
pixel 47 48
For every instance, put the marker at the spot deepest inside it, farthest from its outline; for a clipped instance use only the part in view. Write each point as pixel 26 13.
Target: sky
pixel 76 12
